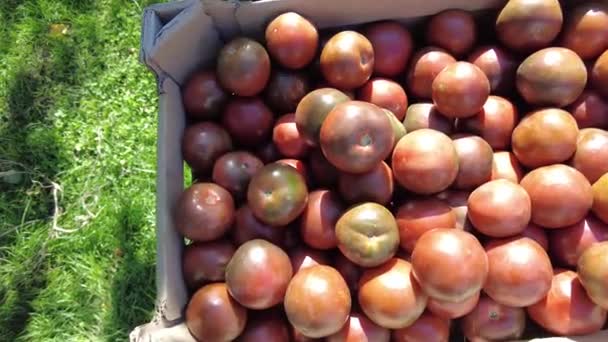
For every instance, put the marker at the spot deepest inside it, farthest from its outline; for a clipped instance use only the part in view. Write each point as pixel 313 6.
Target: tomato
pixel 384 93
pixel 593 273
pixel 285 89
pixel 314 108
pixel 292 40
pixel 591 156
pixel 318 221
pixel 347 60
pixel 427 63
pixel 203 143
pixel 494 123
pixel 203 97
pixel 498 64
pixel 586 30
pixel 427 328
pixel 450 310
pixel 600 198
pixel 248 120
pixel 234 170
pixel 359 328
pixel 475 159
pixel 373 186
pixel 491 321
pixel 599 74
pixel 288 139
pixel 426 115
pixel 453 30
pixel 243 67
pixel 460 90
pixel 204 262
pixel 417 216
pixel 392 44
pixel 590 110
pixel 567 244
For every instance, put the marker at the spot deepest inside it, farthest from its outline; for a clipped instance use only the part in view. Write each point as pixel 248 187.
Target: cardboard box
pixel 180 37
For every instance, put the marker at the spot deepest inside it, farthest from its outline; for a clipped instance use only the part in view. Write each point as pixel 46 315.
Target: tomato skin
pixel 493 321
pixel 393 46
pixel 292 40
pixel 347 60
pixel 243 67
pixel 451 310
pixel 453 30
pixel 427 328
pixel 593 273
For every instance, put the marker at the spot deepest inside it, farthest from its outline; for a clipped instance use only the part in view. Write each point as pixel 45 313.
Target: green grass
pixel 77 168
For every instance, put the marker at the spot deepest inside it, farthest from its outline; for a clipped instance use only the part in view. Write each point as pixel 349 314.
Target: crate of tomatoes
pixel 380 171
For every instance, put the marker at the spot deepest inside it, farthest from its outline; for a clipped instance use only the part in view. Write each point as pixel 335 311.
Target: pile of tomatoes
pixel 383 182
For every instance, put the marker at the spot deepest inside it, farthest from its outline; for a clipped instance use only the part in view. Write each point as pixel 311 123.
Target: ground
pixel 77 168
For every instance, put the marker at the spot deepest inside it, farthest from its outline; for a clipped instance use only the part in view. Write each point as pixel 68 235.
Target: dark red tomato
pixel 350 271
pixel 457 200
pixel 204 212
pixel 525 25
pixel 356 136
pixel 203 97
pixel 258 274
pixel 277 194
pixel 425 161
pixel 318 221
pixel 292 40
pixel 449 264
pixel 545 137
pixel 267 326
pixel 451 310
pixel 317 301
pixel 243 67
pixel 287 138
pixel 303 257
pixel 268 152
pixel 494 123
pixel 392 44
pixel 347 60
pixel 359 328
pixel 586 30
pixel 593 273
pixel 323 172
pixel 500 208
pixel 567 244
pixel 537 234
pixel 204 262
pixel 314 108
pixel 460 90
pixel 248 121
pixel 213 315
pixel 520 271
pixel 427 63
pixel 600 198
pixel 234 170
pixel 453 30
pixel 499 66
pixel 491 321
pixel 390 296
pixel 590 110
pixel 427 328
pixel 599 74
pixel 567 309
pixel 505 166
pixel 417 216
pixel 248 227
pixel 591 156
pixel 373 186
pixel 474 161
pixel 426 115
pixel 385 93
pixel 203 143
pixel 298 165
pixel 285 90
pixel 560 195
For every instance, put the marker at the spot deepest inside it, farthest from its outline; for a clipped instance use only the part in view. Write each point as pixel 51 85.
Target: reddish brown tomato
pixel 347 60
pixel 267 326
pixel 359 328
pixel 204 212
pixel 203 96
pixel 318 221
pixel 427 328
pixel 474 161
pixel 288 139
pixel 567 310
pixel 203 143
pixel 457 200
pixel 586 30
pixel 460 90
pixel 449 264
pixel 303 257
pixel 323 172
pixel 277 194
pixel 285 90
pixel 385 93
pixel 451 310
pixel 204 262
pixel 551 77
pixel 374 186
pixel 544 137
pixel 350 271
pixel 591 156
pixel 426 115
pixel 520 271
pixel 537 234
pixel 590 110
pixel 417 216
pixel 212 314
pixel 317 301
pixel 426 65
pixel 392 44
pixel 243 67
pixel 425 161
pixel 593 273
pixel 248 121
pixel 390 296
pixel 499 66
pixel 600 198
pixel 567 244
pixel 356 136
pixel 599 74
pixel 314 108
pixel 491 321
pixel 453 30
pixel 494 123
pixel 506 166
pixel 560 195
pixel 500 208
pixel 258 274
pixel 527 25
pixel 248 227
pixel 292 40
pixel 298 165
pixel 234 170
